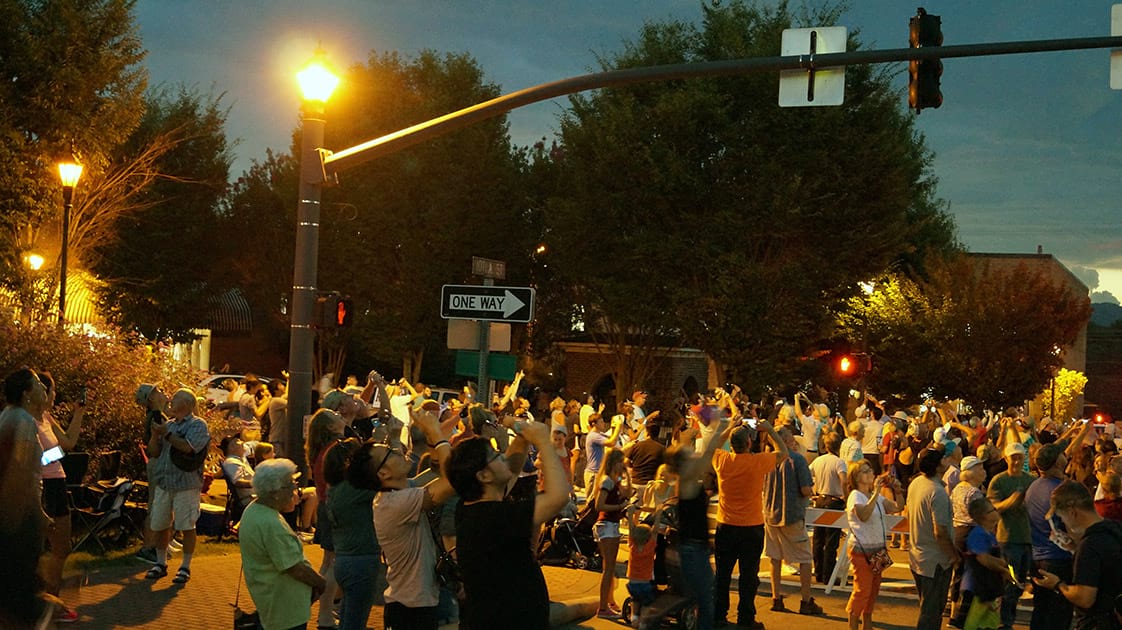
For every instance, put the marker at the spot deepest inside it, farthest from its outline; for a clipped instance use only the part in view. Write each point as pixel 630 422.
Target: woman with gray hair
pixel 280 579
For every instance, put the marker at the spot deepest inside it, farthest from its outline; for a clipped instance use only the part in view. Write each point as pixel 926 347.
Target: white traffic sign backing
pixel 821 86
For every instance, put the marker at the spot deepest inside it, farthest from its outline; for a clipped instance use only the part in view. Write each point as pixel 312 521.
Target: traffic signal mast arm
pixel 398 140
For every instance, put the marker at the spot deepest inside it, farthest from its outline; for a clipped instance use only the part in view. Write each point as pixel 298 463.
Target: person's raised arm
pixel 689 477
pixel 556 490
pixel 781 452
pixel 69 437
pixel 1077 443
pixel 438 490
pixel 511 391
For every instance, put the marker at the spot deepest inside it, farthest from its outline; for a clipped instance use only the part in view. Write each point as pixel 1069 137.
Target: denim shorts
pixel 605 529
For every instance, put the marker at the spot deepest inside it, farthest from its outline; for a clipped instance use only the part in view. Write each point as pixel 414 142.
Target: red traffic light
pixel 846 366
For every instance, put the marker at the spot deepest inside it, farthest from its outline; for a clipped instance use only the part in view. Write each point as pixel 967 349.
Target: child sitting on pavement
pixel 986 573
pixel 640 563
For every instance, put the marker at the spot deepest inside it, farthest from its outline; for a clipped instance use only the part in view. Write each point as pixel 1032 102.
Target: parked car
pixel 215 393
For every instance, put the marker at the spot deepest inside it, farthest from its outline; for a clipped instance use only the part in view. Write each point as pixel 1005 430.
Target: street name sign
pixel 484 303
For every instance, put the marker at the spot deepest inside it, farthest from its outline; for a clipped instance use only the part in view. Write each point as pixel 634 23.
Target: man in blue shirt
pixel 787 491
pixel 1050 610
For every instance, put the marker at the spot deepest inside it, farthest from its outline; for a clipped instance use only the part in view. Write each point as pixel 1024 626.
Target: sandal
pixel 156 572
pixel 181 576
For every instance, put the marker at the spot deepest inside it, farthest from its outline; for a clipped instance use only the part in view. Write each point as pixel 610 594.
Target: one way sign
pixel 483 303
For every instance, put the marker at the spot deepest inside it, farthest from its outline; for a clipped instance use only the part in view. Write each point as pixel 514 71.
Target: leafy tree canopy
pixel 973 331
pixel 700 209
pixel 157 224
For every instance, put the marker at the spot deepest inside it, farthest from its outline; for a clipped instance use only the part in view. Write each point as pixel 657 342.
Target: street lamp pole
pixel 69 173
pixel 317 83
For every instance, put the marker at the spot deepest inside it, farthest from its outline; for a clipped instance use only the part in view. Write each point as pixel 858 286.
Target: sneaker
pixel 66 615
pixel 777 605
pixel 607 613
pixel 808 607
pixel 147 554
pixel 175 545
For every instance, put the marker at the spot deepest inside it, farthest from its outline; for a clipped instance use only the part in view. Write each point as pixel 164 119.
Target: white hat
pixel 1015 448
pixel 969 462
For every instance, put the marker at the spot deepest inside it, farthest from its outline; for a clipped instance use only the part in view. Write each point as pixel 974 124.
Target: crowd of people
pixel 424 509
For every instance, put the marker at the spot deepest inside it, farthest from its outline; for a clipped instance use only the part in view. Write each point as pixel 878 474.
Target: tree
pixel 71 84
pixel 398 228
pixel 148 228
pixel 1058 398
pixel 698 212
pixel 967 331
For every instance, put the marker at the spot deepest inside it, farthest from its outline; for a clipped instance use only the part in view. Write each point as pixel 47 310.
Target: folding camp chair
pixel 75 465
pixel 232 515
pixel 109 511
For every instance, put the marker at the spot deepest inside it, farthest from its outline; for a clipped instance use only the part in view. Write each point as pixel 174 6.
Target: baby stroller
pixel 568 540
pixel 671 608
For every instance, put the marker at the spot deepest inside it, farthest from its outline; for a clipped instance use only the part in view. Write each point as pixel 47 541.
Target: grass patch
pixel 84 561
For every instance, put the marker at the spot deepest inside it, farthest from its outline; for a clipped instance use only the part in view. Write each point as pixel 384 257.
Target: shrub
pixel 112 364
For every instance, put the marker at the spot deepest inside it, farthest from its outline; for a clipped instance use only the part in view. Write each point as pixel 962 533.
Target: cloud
pixel 1101 297
pixel 1087 276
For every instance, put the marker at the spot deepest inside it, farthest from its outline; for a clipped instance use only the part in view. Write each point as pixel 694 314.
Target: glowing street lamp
pixel 317 82
pixel 69 173
pixel 34 261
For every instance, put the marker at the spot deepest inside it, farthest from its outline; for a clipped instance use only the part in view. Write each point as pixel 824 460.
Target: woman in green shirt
pixel 280 580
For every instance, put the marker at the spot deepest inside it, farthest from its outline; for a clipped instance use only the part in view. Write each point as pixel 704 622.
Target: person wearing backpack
pixel 1096 581
pixel 179 447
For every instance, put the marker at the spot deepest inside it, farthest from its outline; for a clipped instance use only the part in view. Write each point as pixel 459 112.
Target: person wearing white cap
pixel 1007 493
pixel 971 476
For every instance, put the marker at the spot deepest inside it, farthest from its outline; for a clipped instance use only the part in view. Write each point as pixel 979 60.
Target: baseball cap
pixel 969 462
pixel 1014 448
pixel 334 399
pixel 143 392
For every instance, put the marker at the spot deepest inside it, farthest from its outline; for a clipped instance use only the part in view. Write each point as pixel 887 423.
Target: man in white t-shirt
pixel 402 524
pixel 870 443
pixel 830 485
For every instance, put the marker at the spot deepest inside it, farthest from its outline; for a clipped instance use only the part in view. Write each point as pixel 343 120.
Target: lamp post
pixel 68 172
pixel 316 83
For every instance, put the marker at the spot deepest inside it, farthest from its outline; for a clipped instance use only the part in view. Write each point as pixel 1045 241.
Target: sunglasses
pixel 494 456
pixel 389 451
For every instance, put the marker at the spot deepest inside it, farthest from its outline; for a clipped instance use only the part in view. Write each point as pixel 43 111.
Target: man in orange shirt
pixel 740 517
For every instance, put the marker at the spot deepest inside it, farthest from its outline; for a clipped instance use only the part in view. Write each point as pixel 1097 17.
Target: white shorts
pixel 789 543
pixel 183 505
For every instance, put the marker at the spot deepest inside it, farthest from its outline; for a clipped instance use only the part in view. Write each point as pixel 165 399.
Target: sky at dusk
pixel 1027 146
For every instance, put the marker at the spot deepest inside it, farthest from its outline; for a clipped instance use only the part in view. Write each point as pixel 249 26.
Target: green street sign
pixel 500 367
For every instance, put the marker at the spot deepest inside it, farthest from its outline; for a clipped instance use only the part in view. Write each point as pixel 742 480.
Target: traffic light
pixel 923 74
pixel 334 311
pixel 850 365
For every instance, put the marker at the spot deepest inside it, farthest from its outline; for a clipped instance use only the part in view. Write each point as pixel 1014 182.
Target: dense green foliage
pixel 71 86
pixel 112 365
pixel 699 210
pixel 968 331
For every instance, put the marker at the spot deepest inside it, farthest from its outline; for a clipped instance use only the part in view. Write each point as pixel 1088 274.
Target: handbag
pixel 879 560
pixel 244 620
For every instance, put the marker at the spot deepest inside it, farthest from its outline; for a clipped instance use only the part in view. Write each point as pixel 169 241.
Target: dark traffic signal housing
pixel 924 74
